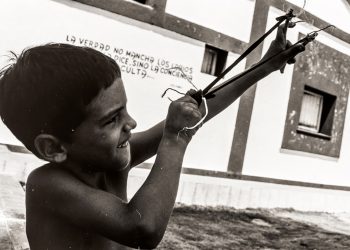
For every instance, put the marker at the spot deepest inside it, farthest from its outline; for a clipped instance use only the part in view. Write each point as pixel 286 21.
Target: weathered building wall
pixel 308 158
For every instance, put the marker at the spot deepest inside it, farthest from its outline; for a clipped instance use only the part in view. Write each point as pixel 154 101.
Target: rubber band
pixel 184 75
pixel 164 93
pixel 198 123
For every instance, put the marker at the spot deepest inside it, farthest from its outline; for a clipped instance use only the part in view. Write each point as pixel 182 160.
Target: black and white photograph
pixel 174 124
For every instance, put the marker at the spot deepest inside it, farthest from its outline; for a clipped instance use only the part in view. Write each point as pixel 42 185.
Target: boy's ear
pixel 50 148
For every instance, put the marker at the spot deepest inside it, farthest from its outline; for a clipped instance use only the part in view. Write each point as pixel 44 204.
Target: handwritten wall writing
pixel 135 63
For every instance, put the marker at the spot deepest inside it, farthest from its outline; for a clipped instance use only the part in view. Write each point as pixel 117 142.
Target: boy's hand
pixel 284 47
pixel 182 113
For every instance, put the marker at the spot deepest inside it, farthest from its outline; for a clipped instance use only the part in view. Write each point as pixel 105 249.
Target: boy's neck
pixel 111 181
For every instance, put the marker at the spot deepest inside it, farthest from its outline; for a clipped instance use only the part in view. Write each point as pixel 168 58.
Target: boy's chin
pixel 126 166
pixel 122 162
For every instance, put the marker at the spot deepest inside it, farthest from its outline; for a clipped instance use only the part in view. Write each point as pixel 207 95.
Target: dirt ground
pixel 227 228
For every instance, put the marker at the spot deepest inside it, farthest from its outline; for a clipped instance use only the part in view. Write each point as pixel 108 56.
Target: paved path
pixel 12 215
pixel 335 222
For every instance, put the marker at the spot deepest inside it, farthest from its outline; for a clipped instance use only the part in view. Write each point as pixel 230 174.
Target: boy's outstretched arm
pixel 284 52
pixel 155 199
pixel 142 221
pixel 149 140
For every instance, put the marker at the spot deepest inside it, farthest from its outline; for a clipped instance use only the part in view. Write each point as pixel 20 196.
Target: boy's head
pixel 48 89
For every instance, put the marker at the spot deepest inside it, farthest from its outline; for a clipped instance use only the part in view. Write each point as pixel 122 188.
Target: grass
pixel 228 228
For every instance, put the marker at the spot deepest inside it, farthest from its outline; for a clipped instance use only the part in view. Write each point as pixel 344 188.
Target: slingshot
pixel 208 92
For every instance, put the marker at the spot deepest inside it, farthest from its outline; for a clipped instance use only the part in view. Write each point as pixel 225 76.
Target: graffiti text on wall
pixel 135 63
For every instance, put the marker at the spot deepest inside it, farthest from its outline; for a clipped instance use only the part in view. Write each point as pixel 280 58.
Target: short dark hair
pixel 48 88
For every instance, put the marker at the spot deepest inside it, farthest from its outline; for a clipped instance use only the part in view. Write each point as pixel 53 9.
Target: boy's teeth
pixel 123 145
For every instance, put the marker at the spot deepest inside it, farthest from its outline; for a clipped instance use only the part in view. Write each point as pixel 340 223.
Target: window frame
pixel 214 60
pixel 327 142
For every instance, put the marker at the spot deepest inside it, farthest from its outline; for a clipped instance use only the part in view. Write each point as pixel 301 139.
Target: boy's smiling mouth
pixel 123 145
pixel 125 142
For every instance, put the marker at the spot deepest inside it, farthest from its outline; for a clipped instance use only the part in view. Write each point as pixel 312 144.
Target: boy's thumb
pixel 291 52
pixel 295 50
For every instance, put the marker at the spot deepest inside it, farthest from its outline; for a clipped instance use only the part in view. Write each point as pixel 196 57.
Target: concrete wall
pixel 212 191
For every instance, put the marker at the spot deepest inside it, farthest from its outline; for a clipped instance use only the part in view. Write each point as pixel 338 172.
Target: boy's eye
pixel 112 120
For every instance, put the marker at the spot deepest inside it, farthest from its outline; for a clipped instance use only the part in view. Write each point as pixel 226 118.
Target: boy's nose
pixel 131 124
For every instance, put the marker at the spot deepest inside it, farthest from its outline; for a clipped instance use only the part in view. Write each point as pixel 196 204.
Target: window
pixel 310 114
pixel 316 113
pixel 141 1
pixel 214 60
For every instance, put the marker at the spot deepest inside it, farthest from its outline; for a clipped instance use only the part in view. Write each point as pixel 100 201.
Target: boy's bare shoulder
pixel 49 181
pixel 49 174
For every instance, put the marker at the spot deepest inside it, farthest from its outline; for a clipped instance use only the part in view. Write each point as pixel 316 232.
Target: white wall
pixel 263 155
pixel 29 23
pixel 233 18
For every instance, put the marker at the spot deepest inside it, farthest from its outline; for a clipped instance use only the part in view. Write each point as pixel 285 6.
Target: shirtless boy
pixel 68 106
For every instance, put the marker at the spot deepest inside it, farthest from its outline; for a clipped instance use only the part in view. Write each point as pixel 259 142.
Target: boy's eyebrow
pixel 110 113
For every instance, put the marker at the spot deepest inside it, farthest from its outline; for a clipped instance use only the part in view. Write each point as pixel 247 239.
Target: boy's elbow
pixel 150 235
pixel 149 243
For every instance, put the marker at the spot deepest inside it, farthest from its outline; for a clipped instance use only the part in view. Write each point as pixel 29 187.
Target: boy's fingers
pixel 197 95
pixel 281 33
pixel 289 44
pixel 189 99
pixel 192 106
pixel 292 60
pixel 282 69
pixel 295 50
pixel 191 92
pixel 202 109
pixel 291 53
pixel 291 24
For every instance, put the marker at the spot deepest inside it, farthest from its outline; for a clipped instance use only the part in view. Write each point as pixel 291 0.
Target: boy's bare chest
pixel 57 234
